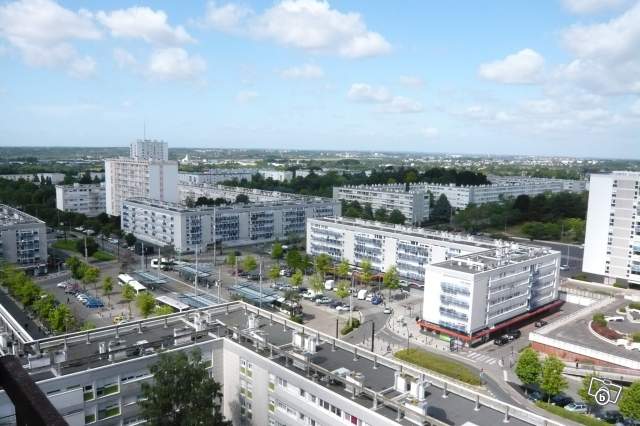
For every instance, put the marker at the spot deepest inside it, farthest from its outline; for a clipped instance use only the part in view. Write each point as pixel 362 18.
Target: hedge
pixel 439 364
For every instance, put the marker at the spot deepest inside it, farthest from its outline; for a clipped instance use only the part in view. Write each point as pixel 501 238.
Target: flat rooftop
pixel 266 205
pixel 272 337
pixel 10 216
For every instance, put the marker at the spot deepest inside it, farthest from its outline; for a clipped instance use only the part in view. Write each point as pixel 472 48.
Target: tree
pixel 343 268
pixel 242 199
pixel 551 380
pixel 86 177
pixel 441 211
pixel 323 263
pixel 297 278
pixel 107 288
pixel 528 367
pixel 90 276
pixel 230 260
pixel 293 259
pixel 249 263
pixel 75 265
pixel 367 212
pixel 61 319
pixel 391 280
pixel 629 404
pixel 381 215
pixel 365 266
pixel 342 290
pixel 130 239
pixel 91 245
pixel 146 303
pixel 317 284
pixel 583 392
pixel 160 310
pixel 128 294
pixel 182 392
pixel 274 273
pixel 397 217
pixel 277 251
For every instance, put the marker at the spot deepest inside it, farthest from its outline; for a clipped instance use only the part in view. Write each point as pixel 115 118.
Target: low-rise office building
pixel 88 199
pixel 409 249
pixel 272 372
pixel 190 229
pixel 612 237
pixel 412 203
pixel 474 297
pixel 23 239
pixel 55 178
pixel 215 176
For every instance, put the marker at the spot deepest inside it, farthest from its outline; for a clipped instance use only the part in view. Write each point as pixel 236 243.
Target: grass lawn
pixel 70 245
pixel 576 417
pixel 439 364
pixel 103 256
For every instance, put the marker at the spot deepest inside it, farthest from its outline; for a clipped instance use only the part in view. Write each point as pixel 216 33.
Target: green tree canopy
pixel 552 382
pixel 583 392
pixel 107 287
pixel 317 283
pixel 323 263
pixel 128 294
pixel 343 268
pixel 342 289
pixel 293 259
pixel 277 251
pixel 274 272
pixel 249 263
pixel 441 211
pixel 297 278
pixel 391 280
pixel 380 214
pixel 145 303
pixel 629 404
pixel 182 393
pixel 230 260
pixel 130 239
pixel 366 271
pixel 397 217
pixel 528 367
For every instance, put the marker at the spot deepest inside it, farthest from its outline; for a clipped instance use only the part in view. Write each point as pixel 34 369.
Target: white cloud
pixel 412 81
pixel 430 132
pixel 143 23
pixel 606 54
pixel 591 6
pixel 523 67
pixel 365 93
pixel 175 63
pixel 635 108
pixel 360 92
pixel 311 25
pixel 42 31
pixel 306 71
pixel 246 96
pixel 124 59
pixel 227 18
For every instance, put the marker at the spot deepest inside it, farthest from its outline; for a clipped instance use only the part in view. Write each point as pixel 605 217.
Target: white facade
pixel 23 239
pixel 188 229
pixel 89 199
pixel 215 176
pixel 55 177
pixel 130 178
pixel 279 175
pixel 145 149
pixel 552 184
pixel 412 204
pixel 612 238
pixel 409 249
pixel 477 291
pixel 191 192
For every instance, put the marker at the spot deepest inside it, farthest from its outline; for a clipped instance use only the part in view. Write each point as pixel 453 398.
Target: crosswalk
pixel 478 357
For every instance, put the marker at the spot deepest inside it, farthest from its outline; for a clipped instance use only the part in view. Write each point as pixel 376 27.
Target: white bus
pixel 127 279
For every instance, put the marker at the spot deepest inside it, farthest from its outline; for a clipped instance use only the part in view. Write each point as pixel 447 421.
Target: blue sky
pixel 528 77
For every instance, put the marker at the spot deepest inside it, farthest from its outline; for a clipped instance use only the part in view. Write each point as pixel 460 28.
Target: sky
pixel 540 77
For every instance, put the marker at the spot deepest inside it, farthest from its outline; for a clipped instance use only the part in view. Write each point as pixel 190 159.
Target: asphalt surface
pixel 29 325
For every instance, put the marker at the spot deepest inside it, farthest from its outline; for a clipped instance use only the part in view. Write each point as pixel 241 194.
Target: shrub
pixel 350 326
pixel 439 364
pixel 634 305
pixel 598 319
pixel 636 337
pixel 581 276
pixel 620 284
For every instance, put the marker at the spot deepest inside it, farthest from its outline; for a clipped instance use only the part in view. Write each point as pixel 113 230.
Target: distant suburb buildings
pixel 147 174
pixel 88 199
pixel 54 177
pixel 502 187
pixel 23 239
pixel 474 285
pixel 612 238
pixel 214 176
pixel 187 229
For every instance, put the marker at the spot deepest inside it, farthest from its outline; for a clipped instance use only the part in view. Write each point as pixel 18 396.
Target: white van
pixel 362 294
pixel 329 284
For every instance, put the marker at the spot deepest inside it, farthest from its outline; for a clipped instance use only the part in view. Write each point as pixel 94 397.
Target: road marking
pixel 491 361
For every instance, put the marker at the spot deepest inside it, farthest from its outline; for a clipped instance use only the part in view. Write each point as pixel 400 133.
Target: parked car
pixel 561 400
pixel 302 289
pixel 541 323
pixel 63 284
pixel 334 304
pixel 536 395
pixel 340 308
pixel 308 295
pixel 323 301
pixel 376 300
pixel 418 286
pixel 614 318
pixel 513 334
pixel 501 341
pixel 610 416
pixel 387 310
pixel 576 407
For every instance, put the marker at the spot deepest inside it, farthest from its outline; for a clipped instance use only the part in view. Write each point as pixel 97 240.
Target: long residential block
pixel 23 239
pixel 89 199
pixel 215 176
pixel 189 229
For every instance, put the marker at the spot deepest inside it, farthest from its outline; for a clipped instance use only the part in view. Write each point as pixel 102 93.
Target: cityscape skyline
pixel 307 73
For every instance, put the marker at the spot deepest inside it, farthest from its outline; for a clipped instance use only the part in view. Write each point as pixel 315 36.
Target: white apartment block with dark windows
pixel 552 184
pixel 188 229
pixel 477 291
pixel 412 204
pixel 191 192
pixel 279 175
pixel 407 248
pixel 87 199
pixel 146 149
pixel 215 176
pixel 54 177
pixel 131 178
pixel 272 372
pixel 23 239
pixel 612 237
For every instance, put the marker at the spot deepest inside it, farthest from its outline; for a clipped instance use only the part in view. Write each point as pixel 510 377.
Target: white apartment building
pixel 146 149
pixel 553 184
pixel 413 204
pixel 191 192
pixel 612 238
pixel 190 229
pixel 89 199
pixel 55 177
pixel 407 248
pixel 279 175
pixel 130 178
pixel 272 372
pixel 215 176
pixel 23 239
pixel 473 296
